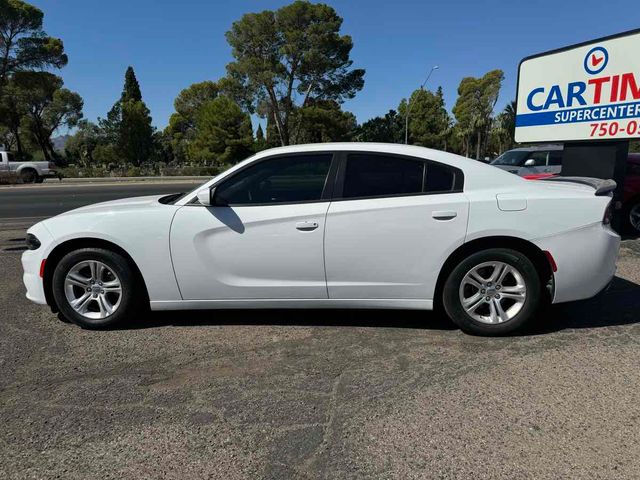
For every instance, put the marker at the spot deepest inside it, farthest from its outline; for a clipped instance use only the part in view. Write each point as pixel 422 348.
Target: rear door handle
pixel 444 215
pixel 306 226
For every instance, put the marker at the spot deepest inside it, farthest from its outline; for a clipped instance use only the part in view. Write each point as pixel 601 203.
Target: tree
pixel 182 123
pixel 473 109
pixel 80 147
pixel 191 99
pixel 295 50
pixel 128 124
pixel 261 141
pixel 131 90
pixel 223 133
pixel 48 107
pixel 428 118
pixel 13 108
pixel 23 43
pixel 135 141
pixel 323 121
pixel 387 129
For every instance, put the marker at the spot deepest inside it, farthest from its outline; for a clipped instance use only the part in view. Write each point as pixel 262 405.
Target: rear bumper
pixel 586 261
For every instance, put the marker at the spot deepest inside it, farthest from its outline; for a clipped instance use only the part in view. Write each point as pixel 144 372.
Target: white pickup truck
pixel 29 172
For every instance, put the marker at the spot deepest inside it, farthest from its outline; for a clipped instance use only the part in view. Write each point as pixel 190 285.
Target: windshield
pixel 511 158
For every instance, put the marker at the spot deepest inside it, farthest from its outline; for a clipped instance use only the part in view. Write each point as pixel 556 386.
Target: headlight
pixel 32 242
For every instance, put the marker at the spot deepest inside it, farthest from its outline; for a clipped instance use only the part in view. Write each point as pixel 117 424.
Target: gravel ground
pixel 307 394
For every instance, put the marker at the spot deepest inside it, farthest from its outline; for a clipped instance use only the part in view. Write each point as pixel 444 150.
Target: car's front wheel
pixel 492 292
pixel 95 288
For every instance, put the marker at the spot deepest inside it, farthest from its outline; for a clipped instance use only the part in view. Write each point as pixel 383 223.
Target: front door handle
pixel 306 226
pixel 444 215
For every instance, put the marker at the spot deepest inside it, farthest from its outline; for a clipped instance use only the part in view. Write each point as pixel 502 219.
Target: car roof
pixel 535 148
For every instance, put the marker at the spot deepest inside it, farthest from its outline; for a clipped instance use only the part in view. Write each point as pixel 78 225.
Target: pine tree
pixel 128 124
pixel 131 89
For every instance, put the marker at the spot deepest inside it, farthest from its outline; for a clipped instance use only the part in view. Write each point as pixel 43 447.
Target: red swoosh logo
pixel 595 61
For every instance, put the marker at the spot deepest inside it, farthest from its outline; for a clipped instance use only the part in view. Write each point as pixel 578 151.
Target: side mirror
pixel 530 163
pixel 207 197
pixel 204 196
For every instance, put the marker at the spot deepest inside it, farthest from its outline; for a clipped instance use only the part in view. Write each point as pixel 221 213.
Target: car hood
pixel 123 204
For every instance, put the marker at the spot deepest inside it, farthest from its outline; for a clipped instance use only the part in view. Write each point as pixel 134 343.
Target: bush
pixel 151 170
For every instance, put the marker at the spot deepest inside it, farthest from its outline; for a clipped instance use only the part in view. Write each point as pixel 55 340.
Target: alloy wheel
pixel 493 292
pixel 93 289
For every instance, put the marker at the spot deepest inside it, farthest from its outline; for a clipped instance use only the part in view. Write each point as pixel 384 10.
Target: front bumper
pixel 31 264
pixel 586 260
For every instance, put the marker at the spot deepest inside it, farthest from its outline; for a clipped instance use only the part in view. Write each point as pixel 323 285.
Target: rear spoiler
pixel 602 187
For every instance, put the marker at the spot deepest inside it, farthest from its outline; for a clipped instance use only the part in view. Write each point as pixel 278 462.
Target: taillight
pixel 608 214
pixel 52 166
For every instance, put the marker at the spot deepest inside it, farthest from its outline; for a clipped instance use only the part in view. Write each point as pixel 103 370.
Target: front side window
pixel 10 157
pixel 555 158
pixel 290 179
pixel 540 158
pixel 369 175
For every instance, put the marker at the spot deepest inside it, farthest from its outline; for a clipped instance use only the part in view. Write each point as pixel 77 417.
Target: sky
pixel 172 44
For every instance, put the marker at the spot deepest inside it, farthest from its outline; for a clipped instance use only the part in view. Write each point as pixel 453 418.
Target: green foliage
pixel 131 90
pixel 428 118
pixel 127 128
pixel 295 50
pixel 135 141
pixel 182 123
pixel 261 142
pixel 473 109
pixel 223 133
pixel 80 147
pixel 323 121
pixel 387 129
pixel 23 43
pixel 501 136
pixel 48 107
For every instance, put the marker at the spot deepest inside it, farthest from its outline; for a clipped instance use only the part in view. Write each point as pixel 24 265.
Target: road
pixel 317 394
pixel 41 201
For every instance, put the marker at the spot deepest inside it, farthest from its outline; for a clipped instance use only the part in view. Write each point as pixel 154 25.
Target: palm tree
pixel 508 123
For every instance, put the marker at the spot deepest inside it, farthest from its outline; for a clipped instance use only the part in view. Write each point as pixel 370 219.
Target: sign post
pixel 587 96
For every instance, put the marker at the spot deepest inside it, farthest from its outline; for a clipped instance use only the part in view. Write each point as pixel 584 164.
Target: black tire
pixel 39 179
pixel 132 296
pixel 29 175
pixel 633 205
pixel 453 304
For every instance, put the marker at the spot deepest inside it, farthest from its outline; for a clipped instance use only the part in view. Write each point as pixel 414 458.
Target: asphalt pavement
pixel 34 202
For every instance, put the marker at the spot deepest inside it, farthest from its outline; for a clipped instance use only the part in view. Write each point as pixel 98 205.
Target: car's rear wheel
pixel 632 216
pixel 29 175
pixel 492 292
pixel 95 288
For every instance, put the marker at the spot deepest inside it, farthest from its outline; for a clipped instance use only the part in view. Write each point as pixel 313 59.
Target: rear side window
pixel 555 158
pixel 375 175
pixel 380 175
pixel 440 178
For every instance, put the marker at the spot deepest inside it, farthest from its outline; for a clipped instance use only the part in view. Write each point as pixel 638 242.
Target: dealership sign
pixel 586 92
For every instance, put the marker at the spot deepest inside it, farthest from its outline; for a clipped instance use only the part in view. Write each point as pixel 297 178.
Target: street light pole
pixel 406 117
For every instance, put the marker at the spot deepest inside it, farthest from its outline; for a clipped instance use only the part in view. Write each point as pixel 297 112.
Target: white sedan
pixel 349 225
